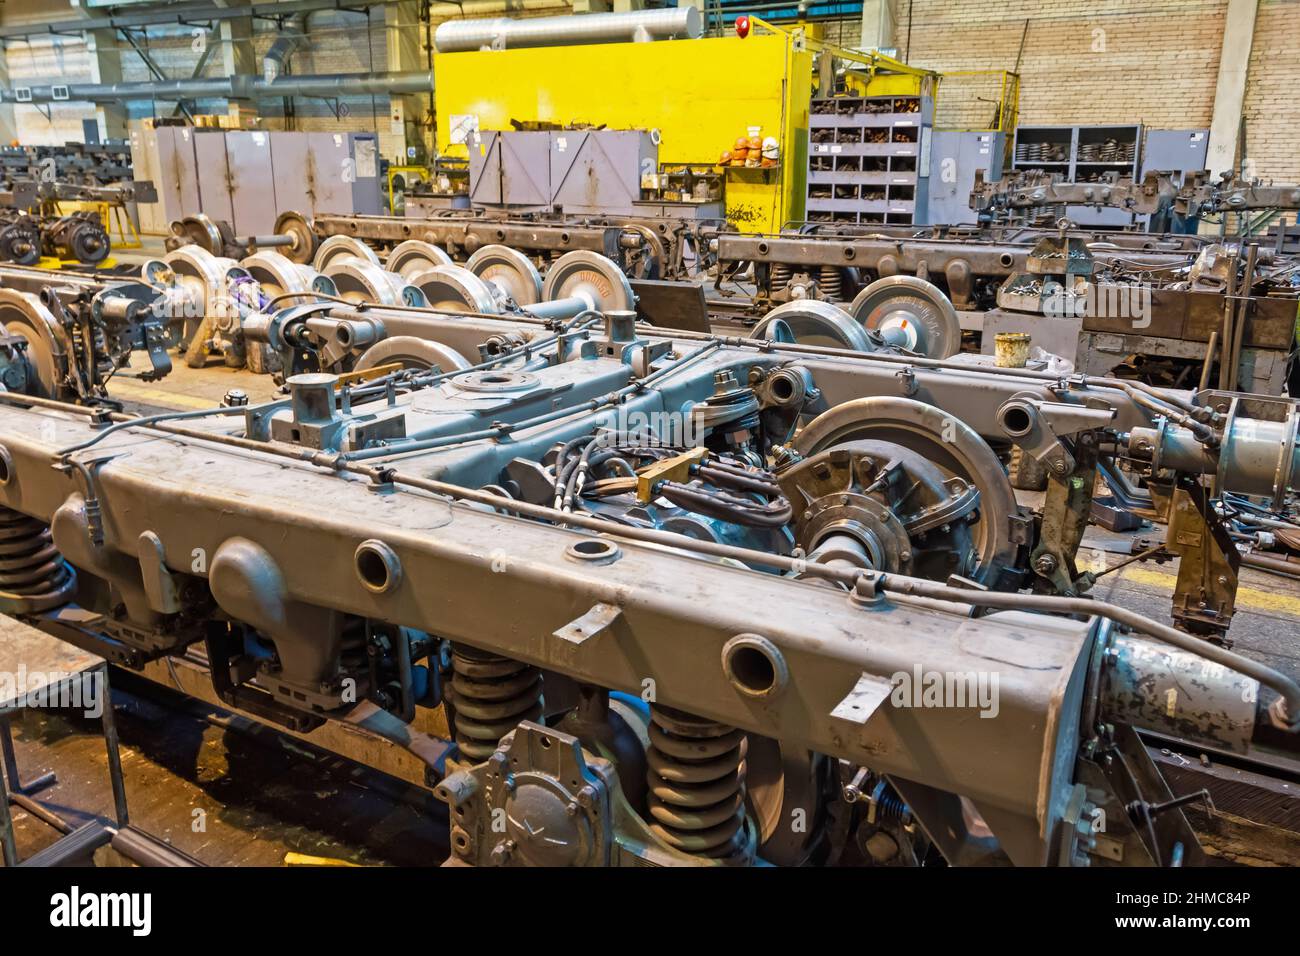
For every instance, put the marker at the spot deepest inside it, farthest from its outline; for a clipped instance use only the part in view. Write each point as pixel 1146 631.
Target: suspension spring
pixel 697 784
pixel 831 283
pixel 33 575
pixel 491 695
pixel 781 274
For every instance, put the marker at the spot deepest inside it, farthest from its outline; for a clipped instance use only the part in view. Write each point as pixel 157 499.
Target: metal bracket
pixel 864 699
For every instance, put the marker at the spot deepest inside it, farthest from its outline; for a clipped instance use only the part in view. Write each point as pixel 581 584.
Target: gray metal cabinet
pixel 249 177
pixel 177 177
pixel 510 169
pixel 1182 150
pixel 600 171
pixel 955 155
pixel 344 170
pixel 252 182
pixel 150 217
pixel 291 160
pixel 367 188
pixel 869 159
pixel 1177 150
pixel 1080 154
pixel 577 171
pixel 213 174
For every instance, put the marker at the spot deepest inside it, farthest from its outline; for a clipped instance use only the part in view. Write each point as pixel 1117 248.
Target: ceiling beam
pixel 183 13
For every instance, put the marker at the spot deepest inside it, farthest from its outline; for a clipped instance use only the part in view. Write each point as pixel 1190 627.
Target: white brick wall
pixel 1272 87
pixel 1085 61
pixel 1118 61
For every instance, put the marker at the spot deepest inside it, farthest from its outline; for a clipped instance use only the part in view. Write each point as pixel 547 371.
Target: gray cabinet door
pixel 954 158
pixel 290 161
pixel 599 171
pixel 367 198
pixel 252 183
pixel 511 169
pixel 1182 150
pixel 178 183
pixel 330 172
pixel 213 174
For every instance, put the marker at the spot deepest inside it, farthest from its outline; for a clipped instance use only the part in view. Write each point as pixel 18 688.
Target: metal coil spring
pixel 491 695
pixel 781 274
pixel 890 808
pixel 697 783
pixel 33 575
pixel 831 283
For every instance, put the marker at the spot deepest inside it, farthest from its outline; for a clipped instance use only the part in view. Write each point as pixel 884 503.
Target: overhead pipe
pixel 477 9
pixel 288 41
pixel 184 14
pixel 503 33
pixel 236 88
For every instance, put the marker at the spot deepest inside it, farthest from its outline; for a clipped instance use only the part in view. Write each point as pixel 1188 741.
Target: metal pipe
pixel 1209 360
pixel 1266 562
pixel 238 87
pixel 503 33
pixel 1229 307
pixel 287 42
pixel 1243 312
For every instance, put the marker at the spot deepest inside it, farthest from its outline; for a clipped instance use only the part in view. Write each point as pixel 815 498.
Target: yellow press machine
pixel 699 94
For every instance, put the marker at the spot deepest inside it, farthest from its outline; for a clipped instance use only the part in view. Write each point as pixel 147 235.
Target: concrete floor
pixel 224 792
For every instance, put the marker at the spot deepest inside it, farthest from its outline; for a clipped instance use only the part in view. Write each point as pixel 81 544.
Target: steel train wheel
pixel 945 441
pixel 411 352
pixel 591 276
pixel 510 271
pixel 911 313
pixel 813 322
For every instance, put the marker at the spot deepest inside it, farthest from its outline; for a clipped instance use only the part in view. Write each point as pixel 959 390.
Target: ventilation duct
pixel 229 88
pixel 505 34
pixel 291 38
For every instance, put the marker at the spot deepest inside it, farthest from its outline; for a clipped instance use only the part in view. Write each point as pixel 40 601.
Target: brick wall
pixel 1086 61
pixel 1116 61
pixel 1272 88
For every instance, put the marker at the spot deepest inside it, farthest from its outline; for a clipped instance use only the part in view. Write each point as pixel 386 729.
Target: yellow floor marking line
pixel 137 392
pixel 1252 598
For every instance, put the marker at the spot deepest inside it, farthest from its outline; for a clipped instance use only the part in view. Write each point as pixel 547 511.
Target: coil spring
pixel 890 808
pixel 697 783
pixel 831 283
pixel 33 575
pixel 781 274
pixel 491 695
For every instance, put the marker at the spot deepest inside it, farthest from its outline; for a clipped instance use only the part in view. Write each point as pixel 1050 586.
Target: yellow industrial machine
pixel 699 94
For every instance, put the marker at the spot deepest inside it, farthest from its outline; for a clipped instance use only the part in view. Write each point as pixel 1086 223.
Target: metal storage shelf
pixel 865 159
pixel 1078 145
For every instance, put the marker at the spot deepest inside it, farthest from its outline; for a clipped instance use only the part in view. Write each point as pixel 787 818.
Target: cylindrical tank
pixel 502 33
